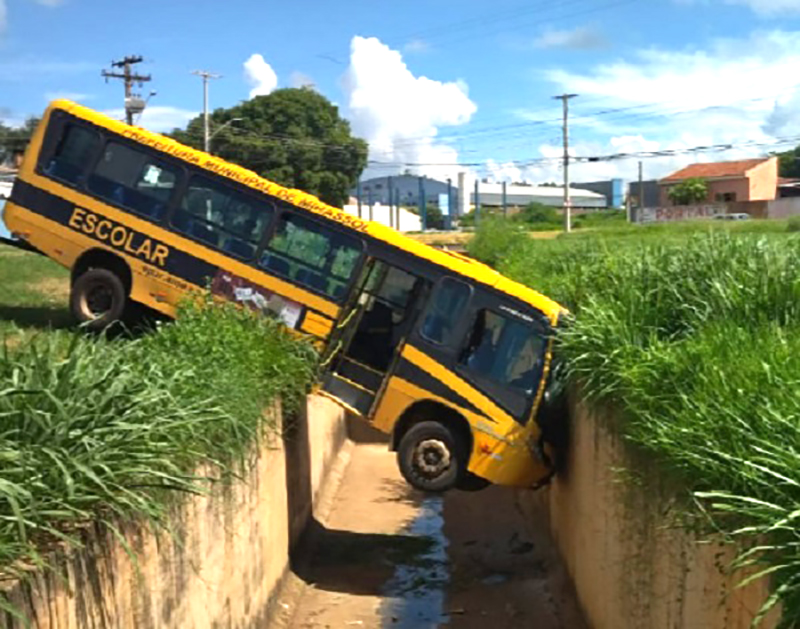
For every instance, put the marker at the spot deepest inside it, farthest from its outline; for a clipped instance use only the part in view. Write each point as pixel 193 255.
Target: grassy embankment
pixel 98 428
pixel 692 332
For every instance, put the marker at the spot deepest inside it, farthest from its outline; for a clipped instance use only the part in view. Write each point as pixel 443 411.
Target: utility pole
pixel 206 75
pixel 449 220
pixel 641 192
pixel 565 98
pixel 390 185
pixel 133 102
pixel 477 202
pixel 423 205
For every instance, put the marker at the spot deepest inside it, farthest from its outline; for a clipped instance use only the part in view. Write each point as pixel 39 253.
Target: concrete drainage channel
pixel 383 555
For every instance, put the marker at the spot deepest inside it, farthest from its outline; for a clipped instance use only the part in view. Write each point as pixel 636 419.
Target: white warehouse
pixel 491 194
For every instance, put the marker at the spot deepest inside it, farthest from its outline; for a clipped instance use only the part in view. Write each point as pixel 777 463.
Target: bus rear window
pixel 312 255
pixel 134 180
pixel 76 149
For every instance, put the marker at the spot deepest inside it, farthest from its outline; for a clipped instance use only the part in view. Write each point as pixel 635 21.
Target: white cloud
pixel 158 118
pixel 416 46
pixel 734 91
pixel 300 79
pixel 507 171
pixel 579 38
pixel 260 76
pixel 4 11
pixel 400 114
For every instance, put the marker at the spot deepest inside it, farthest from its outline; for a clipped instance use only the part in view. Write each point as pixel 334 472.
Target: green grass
pixel 34 292
pixel 692 332
pixel 100 429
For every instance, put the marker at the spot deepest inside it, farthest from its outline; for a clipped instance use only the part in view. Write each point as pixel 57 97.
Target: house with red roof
pixel 728 182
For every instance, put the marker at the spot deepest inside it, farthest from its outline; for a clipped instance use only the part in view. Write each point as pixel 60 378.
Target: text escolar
pixel 118 236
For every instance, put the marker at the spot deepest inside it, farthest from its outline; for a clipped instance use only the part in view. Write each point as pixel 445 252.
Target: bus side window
pixel 505 350
pixel 133 180
pixel 76 148
pixel 445 310
pixel 312 255
pixel 221 217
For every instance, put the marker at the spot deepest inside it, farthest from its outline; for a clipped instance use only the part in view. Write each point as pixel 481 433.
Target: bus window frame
pixel 180 182
pixel 56 128
pixel 283 210
pixel 54 133
pixel 58 121
pixel 458 330
pixel 489 386
pixel 237 188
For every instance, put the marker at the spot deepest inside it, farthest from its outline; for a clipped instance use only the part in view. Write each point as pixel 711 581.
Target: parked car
pixel 738 216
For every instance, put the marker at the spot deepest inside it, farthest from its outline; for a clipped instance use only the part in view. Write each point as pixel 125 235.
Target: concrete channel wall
pixel 223 562
pixel 617 528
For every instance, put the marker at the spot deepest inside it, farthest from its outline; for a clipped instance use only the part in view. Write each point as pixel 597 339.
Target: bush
pixel 600 219
pixel 495 238
pixel 794 224
pixel 537 213
pixel 698 341
pixel 95 428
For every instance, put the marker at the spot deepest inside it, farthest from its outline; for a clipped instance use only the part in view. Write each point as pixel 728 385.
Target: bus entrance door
pixel 373 332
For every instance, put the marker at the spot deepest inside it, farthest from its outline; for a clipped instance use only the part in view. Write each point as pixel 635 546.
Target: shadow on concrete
pixel 355 563
pixel 361 431
pixel 400 491
pixel 298 473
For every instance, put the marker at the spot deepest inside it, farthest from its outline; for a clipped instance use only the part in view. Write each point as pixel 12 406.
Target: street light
pixel 230 122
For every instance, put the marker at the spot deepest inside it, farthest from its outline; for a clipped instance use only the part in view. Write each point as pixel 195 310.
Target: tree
pixel 689 191
pixel 14 140
pixel 294 137
pixel 536 213
pixel 789 163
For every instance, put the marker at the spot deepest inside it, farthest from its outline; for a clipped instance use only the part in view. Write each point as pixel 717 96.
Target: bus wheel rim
pixel 98 301
pixel 431 458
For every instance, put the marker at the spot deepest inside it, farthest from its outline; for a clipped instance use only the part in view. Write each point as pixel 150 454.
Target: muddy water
pixel 415 595
pixel 388 556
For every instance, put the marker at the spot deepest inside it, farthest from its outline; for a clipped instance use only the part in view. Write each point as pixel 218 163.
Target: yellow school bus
pixel 443 353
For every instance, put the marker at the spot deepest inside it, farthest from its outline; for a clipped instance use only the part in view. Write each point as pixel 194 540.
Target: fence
pixel 779 208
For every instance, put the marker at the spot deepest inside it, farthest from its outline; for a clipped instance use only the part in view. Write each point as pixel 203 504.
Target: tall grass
pixel 97 428
pixel 697 342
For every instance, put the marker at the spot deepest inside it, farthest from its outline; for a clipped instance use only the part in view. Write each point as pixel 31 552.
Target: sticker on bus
pixel 242 291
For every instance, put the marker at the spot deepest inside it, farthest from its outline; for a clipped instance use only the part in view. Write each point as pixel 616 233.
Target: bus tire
pixel 431 457
pixel 98 299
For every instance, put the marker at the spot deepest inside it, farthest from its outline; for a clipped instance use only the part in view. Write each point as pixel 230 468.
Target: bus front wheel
pixel 98 299
pixel 431 457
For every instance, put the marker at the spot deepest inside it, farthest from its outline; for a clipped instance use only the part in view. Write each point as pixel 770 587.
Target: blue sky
pixel 444 81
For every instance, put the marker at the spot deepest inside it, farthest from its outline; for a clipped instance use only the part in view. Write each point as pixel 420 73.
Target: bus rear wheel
pixel 431 457
pixel 98 299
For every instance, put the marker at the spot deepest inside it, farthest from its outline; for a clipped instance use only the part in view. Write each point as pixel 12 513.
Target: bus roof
pixel 462 265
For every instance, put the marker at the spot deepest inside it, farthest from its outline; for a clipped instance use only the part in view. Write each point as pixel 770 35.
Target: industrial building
pixel 517 196
pixel 405 190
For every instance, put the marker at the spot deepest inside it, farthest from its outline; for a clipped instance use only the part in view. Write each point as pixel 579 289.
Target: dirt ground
pixel 385 555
